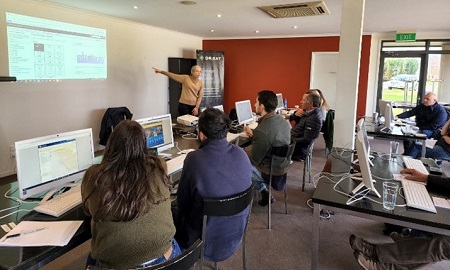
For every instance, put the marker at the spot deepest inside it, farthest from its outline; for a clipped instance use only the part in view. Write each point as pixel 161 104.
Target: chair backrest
pixel 228 206
pixel 284 151
pixel 328 129
pixel 184 261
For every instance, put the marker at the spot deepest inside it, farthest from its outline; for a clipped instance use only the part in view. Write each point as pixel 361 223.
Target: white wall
pixel 30 110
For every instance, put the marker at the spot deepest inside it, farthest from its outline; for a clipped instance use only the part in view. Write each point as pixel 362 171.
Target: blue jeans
pixel 260 185
pixel 437 152
pixel 176 250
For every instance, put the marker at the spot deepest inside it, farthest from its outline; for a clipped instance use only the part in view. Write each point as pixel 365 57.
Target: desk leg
pixel 424 148
pixel 315 238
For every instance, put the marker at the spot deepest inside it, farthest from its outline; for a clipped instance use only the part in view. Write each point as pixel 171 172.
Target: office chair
pixel 307 165
pixel 184 261
pixel 284 152
pixel 228 206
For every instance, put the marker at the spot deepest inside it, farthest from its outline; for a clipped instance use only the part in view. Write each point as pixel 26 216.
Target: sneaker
pixel 365 262
pixel 361 245
pixel 265 198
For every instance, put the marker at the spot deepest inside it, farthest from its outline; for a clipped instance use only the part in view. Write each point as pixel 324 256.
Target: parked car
pixel 400 81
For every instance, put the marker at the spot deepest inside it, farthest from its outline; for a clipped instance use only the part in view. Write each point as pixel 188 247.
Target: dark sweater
pixel 427 117
pixel 217 169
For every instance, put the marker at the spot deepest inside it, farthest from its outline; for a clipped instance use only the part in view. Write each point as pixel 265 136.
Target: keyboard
pixel 412 163
pixel 417 196
pixel 62 203
pixel 175 164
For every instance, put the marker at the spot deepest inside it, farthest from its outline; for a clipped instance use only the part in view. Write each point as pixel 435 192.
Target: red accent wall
pixel 279 64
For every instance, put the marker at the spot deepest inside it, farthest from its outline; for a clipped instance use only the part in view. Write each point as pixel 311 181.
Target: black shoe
pixel 296 158
pixel 265 198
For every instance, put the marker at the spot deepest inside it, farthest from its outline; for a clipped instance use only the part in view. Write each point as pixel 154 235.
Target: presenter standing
pixel 191 91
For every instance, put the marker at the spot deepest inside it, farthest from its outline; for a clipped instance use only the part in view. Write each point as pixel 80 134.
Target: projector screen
pixel 45 50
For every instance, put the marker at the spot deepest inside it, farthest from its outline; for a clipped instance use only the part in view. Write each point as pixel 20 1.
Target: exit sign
pixel 404 37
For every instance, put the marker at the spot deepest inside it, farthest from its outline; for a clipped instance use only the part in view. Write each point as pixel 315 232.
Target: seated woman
pixel 128 197
pixel 441 150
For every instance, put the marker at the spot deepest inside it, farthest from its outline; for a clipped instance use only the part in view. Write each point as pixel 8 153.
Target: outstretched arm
pixel 173 76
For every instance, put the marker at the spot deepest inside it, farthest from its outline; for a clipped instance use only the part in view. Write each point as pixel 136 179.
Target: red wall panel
pixel 279 64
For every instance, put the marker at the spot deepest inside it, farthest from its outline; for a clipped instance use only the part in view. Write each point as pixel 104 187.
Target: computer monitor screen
pixel 53 161
pixel 158 131
pixel 386 111
pixel 244 112
pixel 220 107
pixel 280 104
pixel 363 157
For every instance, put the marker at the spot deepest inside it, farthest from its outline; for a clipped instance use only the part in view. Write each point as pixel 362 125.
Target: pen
pixel 25 232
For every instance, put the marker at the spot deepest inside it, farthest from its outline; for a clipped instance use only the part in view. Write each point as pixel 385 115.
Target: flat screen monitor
pixel 51 162
pixel 244 112
pixel 363 157
pixel 362 127
pixel 220 107
pixel 158 132
pixel 280 104
pixel 386 111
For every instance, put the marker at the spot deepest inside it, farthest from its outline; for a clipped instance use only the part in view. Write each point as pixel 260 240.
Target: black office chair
pixel 284 152
pixel 184 261
pixel 228 206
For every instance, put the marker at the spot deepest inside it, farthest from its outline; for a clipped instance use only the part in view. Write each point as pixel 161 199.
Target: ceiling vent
pixel 296 10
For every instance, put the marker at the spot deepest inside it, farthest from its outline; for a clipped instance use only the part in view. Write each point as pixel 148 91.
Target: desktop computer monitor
pixel 280 104
pixel 386 111
pixel 158 132
pixel 220 107
pixel 51 162
pixel 363 157
pixel 362 127
pixel 244 112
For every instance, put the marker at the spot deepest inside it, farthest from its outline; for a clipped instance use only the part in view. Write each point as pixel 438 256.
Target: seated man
pixel 430 117
pixel 272 130
pixel 307 126
pixel 409 253
pixel 217 169
pixel 441 149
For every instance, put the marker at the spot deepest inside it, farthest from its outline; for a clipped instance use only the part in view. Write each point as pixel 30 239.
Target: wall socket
pixel 12 151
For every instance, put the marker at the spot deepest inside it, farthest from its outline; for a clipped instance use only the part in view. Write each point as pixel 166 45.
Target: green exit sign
pixel 403 37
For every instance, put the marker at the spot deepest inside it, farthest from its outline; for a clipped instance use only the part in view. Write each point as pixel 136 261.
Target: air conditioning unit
pixel 296 9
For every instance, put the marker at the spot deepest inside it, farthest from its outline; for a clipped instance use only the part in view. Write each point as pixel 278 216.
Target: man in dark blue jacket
pixel 430 115
pixel 217 169
pixel 307 124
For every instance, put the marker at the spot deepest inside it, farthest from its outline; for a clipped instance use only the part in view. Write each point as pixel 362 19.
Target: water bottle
pixel 285 103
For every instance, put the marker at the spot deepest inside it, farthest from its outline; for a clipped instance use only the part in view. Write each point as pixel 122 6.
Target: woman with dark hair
pixel 128 197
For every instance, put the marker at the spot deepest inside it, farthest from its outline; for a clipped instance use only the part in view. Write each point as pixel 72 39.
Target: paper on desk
pixel 441 202
pixel 429 143
pixel 58 233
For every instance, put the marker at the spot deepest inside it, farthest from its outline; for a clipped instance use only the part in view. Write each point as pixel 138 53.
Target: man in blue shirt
pixel 217 169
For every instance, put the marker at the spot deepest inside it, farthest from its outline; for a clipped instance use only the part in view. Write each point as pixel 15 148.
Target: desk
pixel 373 129
pixel 37 257
pixel 324 195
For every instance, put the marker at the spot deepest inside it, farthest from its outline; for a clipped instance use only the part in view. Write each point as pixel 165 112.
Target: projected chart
pixel 40 49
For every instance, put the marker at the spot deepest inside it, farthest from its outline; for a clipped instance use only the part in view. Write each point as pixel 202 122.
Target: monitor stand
pixel 50 193
pixel 356 161
pixel 361 185
pixel 386 130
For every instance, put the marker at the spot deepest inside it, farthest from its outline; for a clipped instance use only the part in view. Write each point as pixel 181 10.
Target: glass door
pixel 400 81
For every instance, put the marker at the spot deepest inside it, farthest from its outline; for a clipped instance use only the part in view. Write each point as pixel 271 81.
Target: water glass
pixel 390 190
pixel 393 149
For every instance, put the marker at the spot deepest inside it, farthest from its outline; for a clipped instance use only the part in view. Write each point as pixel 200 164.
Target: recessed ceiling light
pixel 219 15
pixel 189 3
pixel 295 26
pixel 257 31
pixel 212 30
pixel 135 7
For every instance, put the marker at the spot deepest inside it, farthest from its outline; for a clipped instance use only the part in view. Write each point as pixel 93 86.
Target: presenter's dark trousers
pixel 185 109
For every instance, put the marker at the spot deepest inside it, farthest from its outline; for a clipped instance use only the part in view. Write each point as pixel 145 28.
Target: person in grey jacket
pixel 272 131
pixel 307 127
pixel 406 253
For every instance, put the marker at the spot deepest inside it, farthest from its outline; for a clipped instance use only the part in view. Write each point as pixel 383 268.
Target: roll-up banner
pixel 213 70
